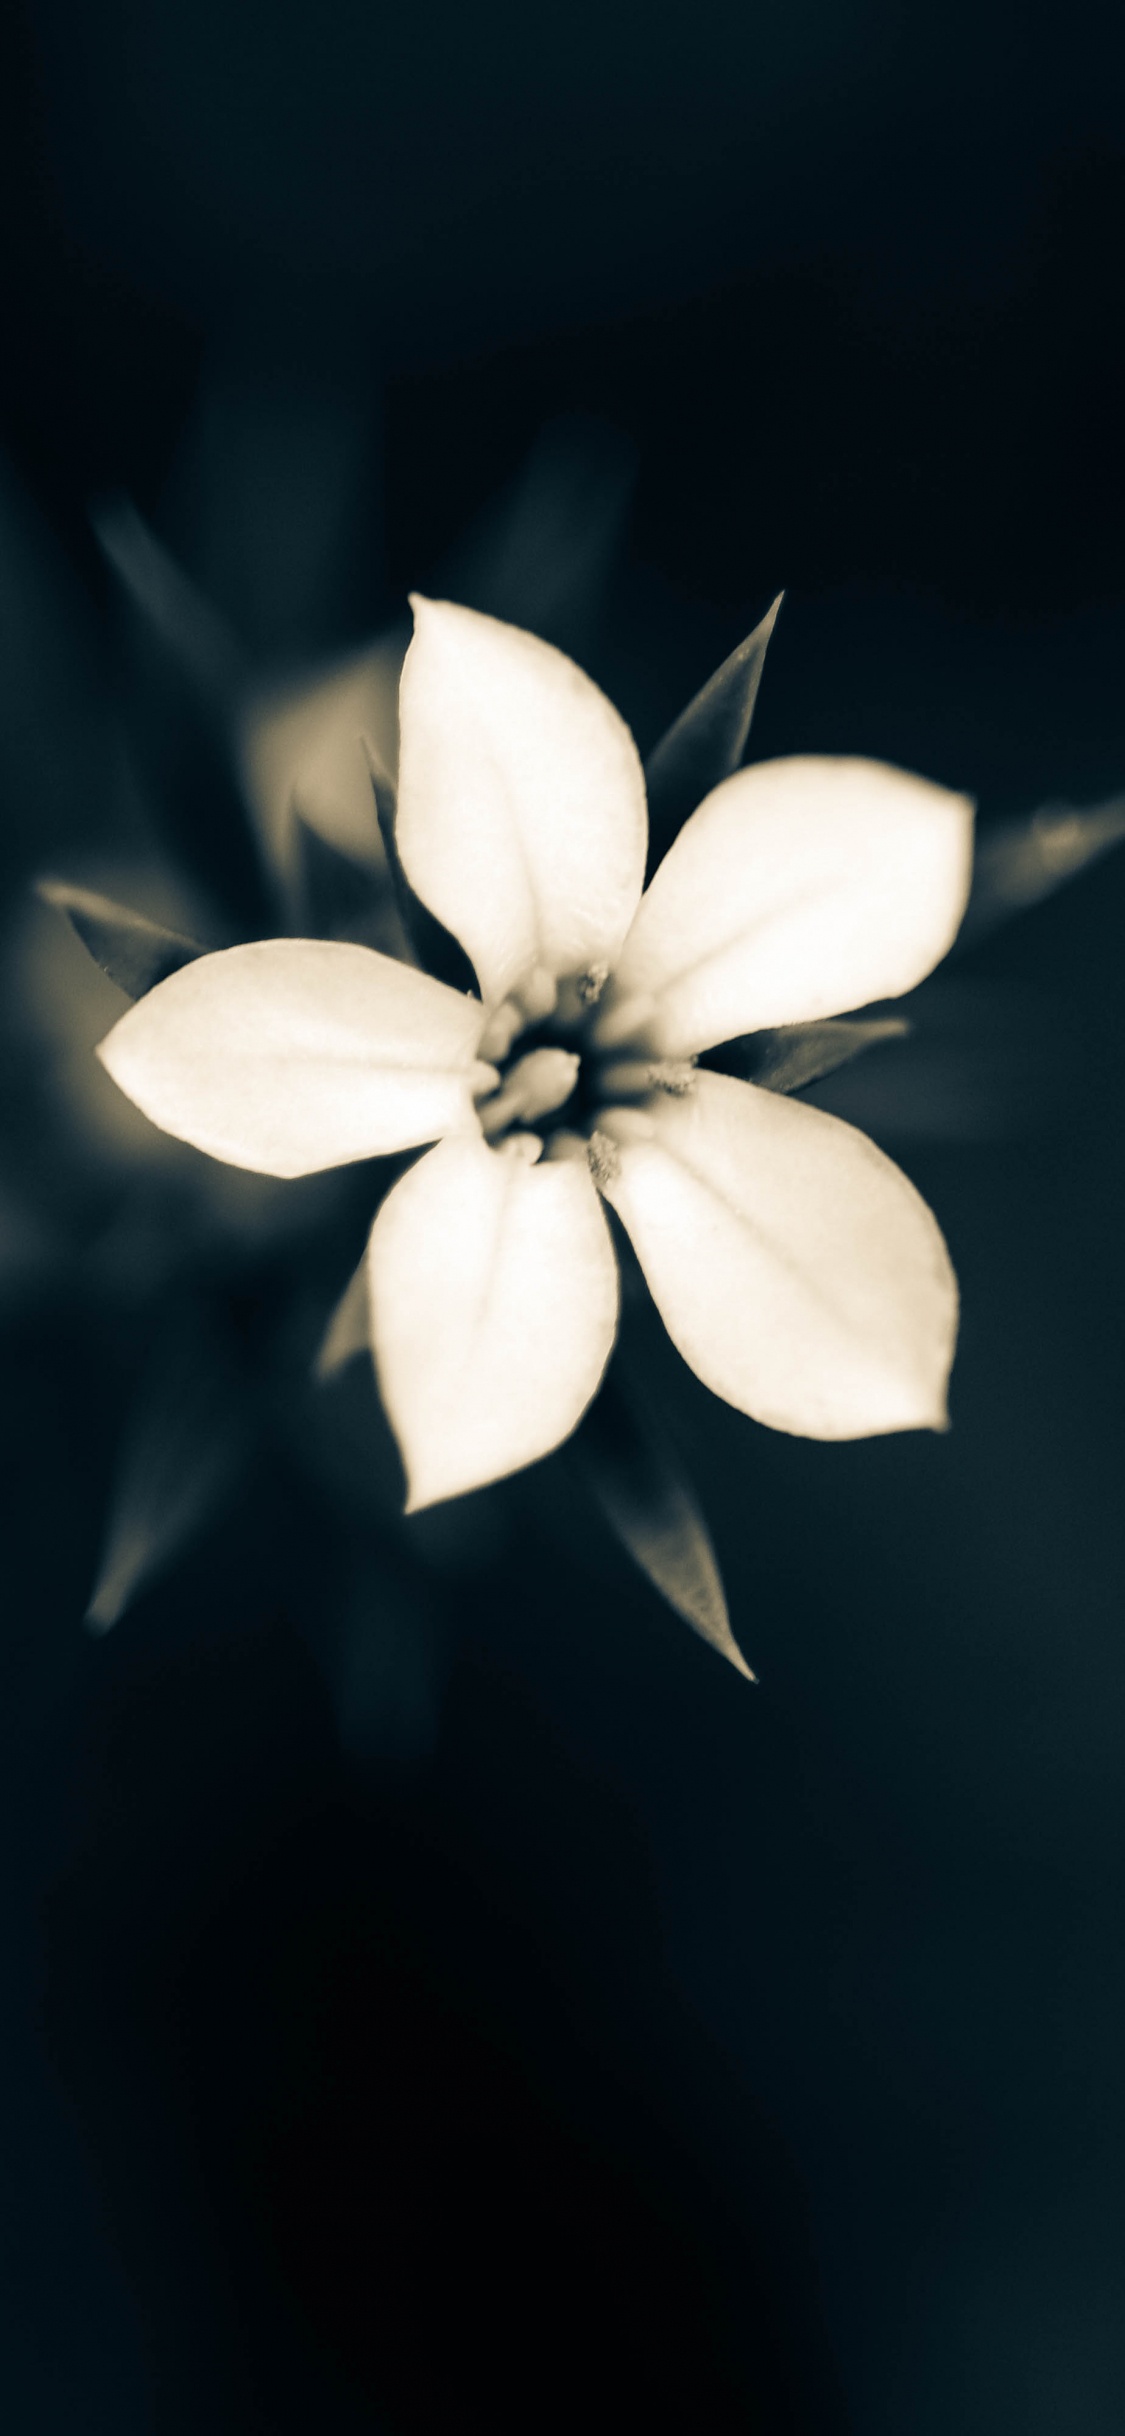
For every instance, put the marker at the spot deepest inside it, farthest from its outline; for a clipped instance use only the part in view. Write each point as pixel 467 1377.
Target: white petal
pixel 799 889
pixel 521 803
pixel 794 1266
pixel 290 1055
pixel 493 1307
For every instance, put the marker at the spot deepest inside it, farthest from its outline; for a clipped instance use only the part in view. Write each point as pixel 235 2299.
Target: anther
pixel 604 1160
pixel 634 1078
pixel 590 985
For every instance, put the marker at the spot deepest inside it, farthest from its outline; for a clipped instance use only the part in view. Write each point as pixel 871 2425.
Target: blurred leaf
pixel 186 676
pixel 135 952
pixel 348 1331
pixel 799 1053
pixel 301 743
pixel 1021 861
pixel 707 742
pixel 985 1061
pixel 55 741
pixel 186 1443
pixel 637 1482
pixel 539 555
pixel 435 948
pixel 336 897
pixel 389 1669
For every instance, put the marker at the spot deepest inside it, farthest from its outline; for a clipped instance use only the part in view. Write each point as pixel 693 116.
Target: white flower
pixel 796 1268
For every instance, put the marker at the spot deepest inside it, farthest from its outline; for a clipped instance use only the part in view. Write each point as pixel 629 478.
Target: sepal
pixel 800 1053
pixel 706 743
pixel 645 1497
pixel 1021 861
pixel 335 896
pixel 134 952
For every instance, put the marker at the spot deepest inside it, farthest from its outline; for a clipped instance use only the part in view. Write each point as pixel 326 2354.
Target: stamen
pixel 537 994
pixel 537 1085
pixel 634 1078
pixel 500 1031
pixel 527 1148
pixel 604 1160
pixel 590 985
pixel 626 1124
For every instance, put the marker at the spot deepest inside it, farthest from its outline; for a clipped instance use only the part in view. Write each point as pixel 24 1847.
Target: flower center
pixel 562 1092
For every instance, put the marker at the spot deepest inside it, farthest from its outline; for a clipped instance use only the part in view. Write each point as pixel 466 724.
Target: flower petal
pixel 799 889
pixel 493 1312
pixel 521 805
pixel 794 1266
pixel 290 1055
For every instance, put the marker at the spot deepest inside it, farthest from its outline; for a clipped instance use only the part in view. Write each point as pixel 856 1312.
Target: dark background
pixel 522 2023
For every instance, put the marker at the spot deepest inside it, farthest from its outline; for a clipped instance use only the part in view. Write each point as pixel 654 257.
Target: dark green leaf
pixel 186 1444
pixel 437 951
pixel 799 1053
pixel 186 679
pixel 1021 861
pixel 707 742
pixel 135 952
pixel 637 1482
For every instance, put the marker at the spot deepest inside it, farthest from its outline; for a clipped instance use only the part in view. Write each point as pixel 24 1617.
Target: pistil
pixel 534 1087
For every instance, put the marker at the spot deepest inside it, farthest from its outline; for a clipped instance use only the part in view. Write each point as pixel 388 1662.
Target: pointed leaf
pixel 1021 861
pixel 187 674
pixel 650 1506
pixel 135 952
pixel 435 947
pixel 186 1444
pixel 336 897
pixel 800 1053
pixel 349 1328
pixel 985 1061
pixel 706 743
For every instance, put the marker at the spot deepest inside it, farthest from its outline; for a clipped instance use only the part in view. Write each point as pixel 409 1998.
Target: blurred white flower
pixel 301 749
pixel 796 1269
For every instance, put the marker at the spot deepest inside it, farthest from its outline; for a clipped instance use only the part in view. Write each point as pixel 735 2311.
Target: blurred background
pixel 438 1994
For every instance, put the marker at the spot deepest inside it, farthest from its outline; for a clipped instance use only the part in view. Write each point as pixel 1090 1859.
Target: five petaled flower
pixel 796 1269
